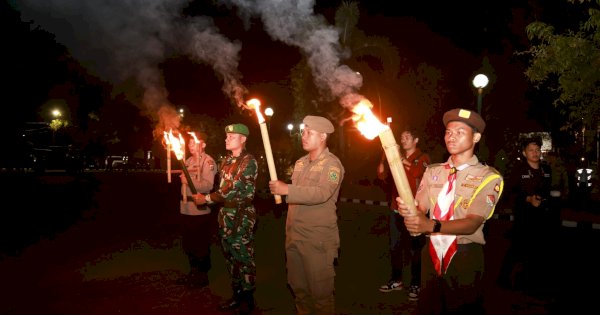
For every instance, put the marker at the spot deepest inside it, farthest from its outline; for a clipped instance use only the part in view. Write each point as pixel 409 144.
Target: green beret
pixel 318 123
pixel 464 115
pixel 238 128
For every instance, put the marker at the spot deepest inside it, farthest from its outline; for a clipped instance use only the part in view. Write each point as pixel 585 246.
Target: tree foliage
pixel 568 64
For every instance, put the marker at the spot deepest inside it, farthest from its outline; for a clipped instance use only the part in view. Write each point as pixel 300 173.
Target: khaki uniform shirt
pixel 478 188
pixel 312 198
pixel 202 171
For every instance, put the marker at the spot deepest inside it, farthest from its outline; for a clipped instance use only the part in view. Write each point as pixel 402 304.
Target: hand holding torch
pixel 254 103
pixel 178 144
pixel 370 127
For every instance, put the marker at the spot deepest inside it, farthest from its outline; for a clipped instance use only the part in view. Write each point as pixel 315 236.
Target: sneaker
pixel 413 292
pixel 391 286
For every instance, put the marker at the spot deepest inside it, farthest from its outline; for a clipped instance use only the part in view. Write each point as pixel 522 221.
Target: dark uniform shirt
pixel 527 181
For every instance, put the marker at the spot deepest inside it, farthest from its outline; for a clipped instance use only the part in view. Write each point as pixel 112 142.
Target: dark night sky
pixel 454 37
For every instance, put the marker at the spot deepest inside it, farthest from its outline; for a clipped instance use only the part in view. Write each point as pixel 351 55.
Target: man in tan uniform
pixel 312 236
pixel 454 200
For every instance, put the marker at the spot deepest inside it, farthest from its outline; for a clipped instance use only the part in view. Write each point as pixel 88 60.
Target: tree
pixel 568 64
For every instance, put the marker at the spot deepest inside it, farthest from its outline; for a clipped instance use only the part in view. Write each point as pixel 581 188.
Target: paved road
pixel 107 243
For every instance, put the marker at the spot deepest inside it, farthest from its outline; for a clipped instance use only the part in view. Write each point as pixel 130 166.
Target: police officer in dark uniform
pixel 237 217
pixel 536 220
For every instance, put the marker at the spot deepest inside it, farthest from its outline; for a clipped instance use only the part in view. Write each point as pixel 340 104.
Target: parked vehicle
pixel 57 158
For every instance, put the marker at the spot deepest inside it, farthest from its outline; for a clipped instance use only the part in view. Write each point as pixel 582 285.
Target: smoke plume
pixel 295 23
pixel 125 40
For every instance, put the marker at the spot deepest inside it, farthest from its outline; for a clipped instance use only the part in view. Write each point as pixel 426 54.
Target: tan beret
pixel 470 118
pixel 318 123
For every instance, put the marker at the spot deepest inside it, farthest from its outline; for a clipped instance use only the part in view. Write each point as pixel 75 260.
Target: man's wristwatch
pixel 437 226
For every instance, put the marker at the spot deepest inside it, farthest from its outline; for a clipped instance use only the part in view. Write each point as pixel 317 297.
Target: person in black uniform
pixel 527 260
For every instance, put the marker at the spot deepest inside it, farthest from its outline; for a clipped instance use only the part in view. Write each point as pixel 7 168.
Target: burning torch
pixel 177 146
pixel 255 104
pixel 371 127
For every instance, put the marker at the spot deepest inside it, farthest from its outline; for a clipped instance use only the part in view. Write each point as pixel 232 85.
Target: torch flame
pixel 255 104
pixel 366 122
pixel 177 144
pixel 194 136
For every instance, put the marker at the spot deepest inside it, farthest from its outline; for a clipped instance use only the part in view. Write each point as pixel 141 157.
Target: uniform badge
pixel 473 178
pixel 211 165
pixel 464 204
pixel 490 200
pixel 333 175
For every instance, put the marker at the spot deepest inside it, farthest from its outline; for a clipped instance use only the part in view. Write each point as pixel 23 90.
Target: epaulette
pixel 435 165
pixel 494 170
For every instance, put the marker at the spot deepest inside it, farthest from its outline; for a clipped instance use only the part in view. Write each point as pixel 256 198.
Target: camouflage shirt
pixel 237 181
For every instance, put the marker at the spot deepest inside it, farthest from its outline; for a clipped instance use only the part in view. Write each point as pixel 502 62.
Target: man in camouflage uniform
pixel 312 235
pixel 237 217
pixel 197 221
pixel 454 200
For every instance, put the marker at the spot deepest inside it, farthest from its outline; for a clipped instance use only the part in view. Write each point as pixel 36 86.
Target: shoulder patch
pixel 333 174
pixel 434 165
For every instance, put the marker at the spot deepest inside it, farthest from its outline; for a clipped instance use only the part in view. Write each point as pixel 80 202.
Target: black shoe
pixel 246 303
pixel 229 305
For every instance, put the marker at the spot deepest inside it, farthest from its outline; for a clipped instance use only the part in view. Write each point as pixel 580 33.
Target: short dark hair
pixel 529 140
pixel 412 130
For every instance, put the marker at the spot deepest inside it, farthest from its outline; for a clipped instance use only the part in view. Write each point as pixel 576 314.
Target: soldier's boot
pixel 233 303
pixel 247 303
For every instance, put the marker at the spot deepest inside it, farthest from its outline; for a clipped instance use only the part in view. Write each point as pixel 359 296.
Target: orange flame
pixel 365 121
pixel 177 144
pixel 194 136
pixel 255 104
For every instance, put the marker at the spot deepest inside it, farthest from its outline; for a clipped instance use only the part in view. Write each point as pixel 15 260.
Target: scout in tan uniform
pixel 312 236
pixel 454 200
pixel 196 220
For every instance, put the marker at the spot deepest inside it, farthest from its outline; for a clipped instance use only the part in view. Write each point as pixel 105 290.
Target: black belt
pixel 235 204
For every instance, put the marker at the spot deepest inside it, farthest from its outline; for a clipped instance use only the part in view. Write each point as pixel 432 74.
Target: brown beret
pixel 318 123
pixel 468 117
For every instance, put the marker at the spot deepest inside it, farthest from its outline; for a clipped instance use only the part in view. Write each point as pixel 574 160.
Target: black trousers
pixel 196 240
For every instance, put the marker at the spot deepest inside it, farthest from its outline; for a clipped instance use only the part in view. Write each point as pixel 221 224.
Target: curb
pixel 499 216
pixel 504 217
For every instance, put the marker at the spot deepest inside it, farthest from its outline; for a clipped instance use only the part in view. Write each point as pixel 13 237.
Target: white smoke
pixel 124 40
pixel 295 23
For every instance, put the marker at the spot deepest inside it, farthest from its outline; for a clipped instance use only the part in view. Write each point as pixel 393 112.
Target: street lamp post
pixel 269 113
pixel 55 124
pixel 290 127
pixel 480 81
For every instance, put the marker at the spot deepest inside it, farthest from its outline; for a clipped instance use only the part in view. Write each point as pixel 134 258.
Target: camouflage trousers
pixel 236 228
